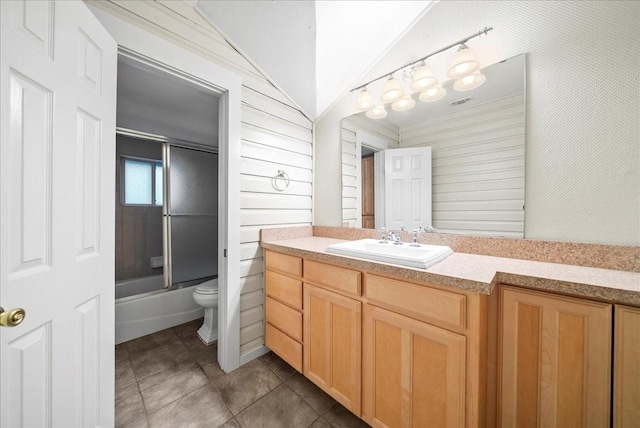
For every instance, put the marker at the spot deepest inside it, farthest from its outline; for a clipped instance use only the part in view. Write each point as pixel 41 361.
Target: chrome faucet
pixel 395 238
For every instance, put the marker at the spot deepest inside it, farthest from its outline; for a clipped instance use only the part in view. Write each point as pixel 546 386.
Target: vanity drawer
pixel 284 318
pixel 284 346
pixel 337 278
pixel 416 301
pixel 284 263
pixel 285 289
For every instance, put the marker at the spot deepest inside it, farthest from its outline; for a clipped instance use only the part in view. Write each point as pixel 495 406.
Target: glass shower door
pixel 191 215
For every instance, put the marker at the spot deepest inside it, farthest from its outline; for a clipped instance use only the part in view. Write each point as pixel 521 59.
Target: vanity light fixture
pixel 403 104
pixel 365 100
pixel 463 63
pixel 423 78
pixel 432 94
pixel 464 68
pixel 392 90
pixel 469 82
pixel 378 112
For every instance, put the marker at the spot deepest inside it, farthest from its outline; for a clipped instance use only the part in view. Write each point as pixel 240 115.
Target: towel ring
pixel 275 181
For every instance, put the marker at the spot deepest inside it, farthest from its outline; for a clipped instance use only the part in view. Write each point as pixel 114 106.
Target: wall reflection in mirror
pixel 477 143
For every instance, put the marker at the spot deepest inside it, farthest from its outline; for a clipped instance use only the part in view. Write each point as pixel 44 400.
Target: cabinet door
pixel 555 361
pixel 413 372
pixel 332 344
pixel 626 382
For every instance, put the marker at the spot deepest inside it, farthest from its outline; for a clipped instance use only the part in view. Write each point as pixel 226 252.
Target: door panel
pixel 555 360
pixel 331 352
pixel 57 112
pixel 413 372
pixel 407 184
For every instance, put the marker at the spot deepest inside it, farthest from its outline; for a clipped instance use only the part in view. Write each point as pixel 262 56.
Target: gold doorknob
pixel 12 317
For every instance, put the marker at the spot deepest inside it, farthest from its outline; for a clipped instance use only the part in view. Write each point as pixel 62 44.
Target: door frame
pixel 155 51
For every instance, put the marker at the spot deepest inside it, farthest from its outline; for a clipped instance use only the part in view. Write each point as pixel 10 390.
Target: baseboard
pixel 244 359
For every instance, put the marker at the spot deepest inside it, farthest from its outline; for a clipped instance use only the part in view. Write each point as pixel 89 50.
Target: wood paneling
pixel 555 360
pixel 478 167
pixel 335 277
pixel 413 372
pixel 418 301
pixel 626 368
pixel 332 345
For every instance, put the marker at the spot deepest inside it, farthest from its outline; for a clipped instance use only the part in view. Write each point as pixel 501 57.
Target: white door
pixel 57 117
pixel 407 188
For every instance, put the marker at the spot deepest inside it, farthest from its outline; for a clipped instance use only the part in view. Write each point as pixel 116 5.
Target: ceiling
pixel 314 51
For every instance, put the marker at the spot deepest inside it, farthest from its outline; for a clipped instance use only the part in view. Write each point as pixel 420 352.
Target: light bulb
pixel 378 112
pixel 392 90
pixel 365 100
pixel 432 94
pixel 423 78
pixel 403 104
pixel 469 82
pixel 463 63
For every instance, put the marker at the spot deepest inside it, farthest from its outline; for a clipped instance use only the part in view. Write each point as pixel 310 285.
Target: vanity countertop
pixel 480 273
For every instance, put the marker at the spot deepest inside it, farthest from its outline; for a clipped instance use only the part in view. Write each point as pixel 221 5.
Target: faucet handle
pixel 414 238
pixel 383 234
pixel 403 228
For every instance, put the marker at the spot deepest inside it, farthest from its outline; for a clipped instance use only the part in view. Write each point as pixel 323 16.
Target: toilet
pixel 206 295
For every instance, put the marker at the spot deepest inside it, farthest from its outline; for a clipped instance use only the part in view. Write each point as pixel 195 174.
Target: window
pixel 142 181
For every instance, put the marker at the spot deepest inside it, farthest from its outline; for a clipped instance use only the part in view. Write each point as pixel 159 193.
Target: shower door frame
pixel 151 50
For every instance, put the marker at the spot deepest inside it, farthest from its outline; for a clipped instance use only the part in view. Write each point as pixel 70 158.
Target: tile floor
pixel 171 379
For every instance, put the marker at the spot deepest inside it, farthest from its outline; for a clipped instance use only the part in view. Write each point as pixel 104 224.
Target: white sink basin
pixel 404 254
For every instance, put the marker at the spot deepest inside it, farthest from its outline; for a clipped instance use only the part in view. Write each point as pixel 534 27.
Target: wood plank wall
pixel 478 167
pixel 275 135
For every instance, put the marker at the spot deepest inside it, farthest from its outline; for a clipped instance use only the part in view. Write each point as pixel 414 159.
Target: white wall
pixel 582 110
pixel 275 135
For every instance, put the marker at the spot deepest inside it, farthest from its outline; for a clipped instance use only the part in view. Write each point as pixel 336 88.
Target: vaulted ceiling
pixel 314 51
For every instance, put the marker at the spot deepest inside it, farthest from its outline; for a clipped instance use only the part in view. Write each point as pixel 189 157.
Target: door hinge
pixel 225 252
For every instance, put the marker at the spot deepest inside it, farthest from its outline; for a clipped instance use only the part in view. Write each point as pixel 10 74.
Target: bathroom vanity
pixel 474 340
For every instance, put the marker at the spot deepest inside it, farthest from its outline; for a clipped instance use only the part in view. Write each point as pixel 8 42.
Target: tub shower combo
pixel 166 235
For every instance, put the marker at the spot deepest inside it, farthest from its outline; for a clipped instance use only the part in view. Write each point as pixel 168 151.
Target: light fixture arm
pixel 473 36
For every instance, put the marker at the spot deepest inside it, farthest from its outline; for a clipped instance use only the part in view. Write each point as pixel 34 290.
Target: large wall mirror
pixel 477 142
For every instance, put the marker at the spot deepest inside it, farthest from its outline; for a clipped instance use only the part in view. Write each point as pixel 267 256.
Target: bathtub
pixel 144 307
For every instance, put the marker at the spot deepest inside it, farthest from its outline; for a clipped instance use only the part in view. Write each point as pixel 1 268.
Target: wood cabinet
pixel 403 353
pixel 283 307
pixel 368 193
pixel 332 331
pixel 332 345
pixel 626 367
pixel 554 360
pixel 413 372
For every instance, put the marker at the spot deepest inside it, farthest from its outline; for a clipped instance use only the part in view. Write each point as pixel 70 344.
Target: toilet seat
pixel 206 290
pixel 207 287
